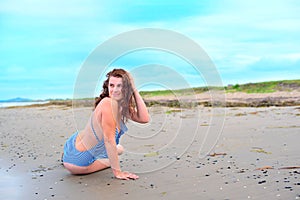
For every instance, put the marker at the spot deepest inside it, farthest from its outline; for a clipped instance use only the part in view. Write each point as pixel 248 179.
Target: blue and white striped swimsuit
pixel 86 158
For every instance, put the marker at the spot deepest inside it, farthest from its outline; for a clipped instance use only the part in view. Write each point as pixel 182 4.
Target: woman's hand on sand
pixel 125 175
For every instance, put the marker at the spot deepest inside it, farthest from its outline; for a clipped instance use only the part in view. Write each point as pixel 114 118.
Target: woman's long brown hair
pixel 127 102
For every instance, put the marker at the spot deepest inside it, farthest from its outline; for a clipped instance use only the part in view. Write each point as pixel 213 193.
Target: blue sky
pixel 43 44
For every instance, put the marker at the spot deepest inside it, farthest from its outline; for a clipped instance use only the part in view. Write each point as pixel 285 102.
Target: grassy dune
pixel 265 87
pixel 263 92
pixel 262 87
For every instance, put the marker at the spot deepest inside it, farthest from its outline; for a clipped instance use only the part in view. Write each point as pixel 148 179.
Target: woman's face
pixel 115 85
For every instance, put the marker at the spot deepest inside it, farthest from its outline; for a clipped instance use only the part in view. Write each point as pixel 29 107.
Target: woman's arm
pixel 141 114
pixel 108 122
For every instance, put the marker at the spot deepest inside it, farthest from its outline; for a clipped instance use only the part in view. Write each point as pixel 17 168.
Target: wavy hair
pixel 127 102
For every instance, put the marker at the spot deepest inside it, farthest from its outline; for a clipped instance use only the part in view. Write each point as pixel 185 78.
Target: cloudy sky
pixel 44 44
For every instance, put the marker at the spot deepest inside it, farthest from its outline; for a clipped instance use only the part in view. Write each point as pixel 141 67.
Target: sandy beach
pixel 203 153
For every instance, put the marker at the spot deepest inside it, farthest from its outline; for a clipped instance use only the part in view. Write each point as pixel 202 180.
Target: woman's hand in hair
pixel 131 81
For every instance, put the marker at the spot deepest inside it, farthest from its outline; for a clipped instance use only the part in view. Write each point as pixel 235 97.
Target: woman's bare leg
pixel 98 165
pixel 95 166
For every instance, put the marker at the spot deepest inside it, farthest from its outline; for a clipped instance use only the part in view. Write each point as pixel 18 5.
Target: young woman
pixel 97 146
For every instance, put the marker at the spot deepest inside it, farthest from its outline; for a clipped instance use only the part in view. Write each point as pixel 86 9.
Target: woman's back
pixel 92 134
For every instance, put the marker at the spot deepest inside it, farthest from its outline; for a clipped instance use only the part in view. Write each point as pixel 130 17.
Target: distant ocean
pixel 9 104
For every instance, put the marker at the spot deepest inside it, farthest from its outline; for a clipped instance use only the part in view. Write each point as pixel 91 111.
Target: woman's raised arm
pixel 141 114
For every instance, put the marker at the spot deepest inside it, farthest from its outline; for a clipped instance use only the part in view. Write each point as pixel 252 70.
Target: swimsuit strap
pixel 97 138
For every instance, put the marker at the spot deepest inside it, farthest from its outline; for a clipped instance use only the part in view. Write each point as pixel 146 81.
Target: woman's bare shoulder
pixel 106 107
pixel 108 101
pixel 105 101
pixel 107 104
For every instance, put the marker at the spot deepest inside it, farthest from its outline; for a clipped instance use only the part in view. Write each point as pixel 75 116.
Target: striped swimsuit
pixel 86 158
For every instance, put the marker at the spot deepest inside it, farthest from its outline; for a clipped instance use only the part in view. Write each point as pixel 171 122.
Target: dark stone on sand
pixel 261 182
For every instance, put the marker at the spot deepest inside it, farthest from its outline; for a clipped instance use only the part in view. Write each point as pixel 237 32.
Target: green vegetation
pixel 173 111
pixel 156 93
pixel 179 92
pixel 265 87
pixel 262 87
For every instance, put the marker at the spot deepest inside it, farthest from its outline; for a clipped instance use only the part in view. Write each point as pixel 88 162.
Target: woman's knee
pixel 120 149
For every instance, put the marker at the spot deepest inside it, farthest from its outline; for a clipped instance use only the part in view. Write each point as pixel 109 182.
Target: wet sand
pixel 199 153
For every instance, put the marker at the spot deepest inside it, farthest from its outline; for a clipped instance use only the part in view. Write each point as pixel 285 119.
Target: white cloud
pixel 292 57
pixel 244 60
